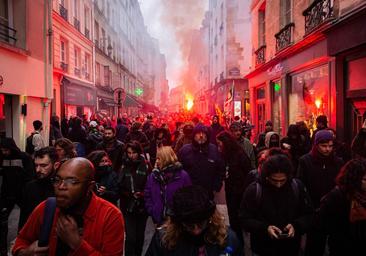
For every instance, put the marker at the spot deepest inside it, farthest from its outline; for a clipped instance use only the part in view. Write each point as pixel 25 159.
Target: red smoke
pixel 185 18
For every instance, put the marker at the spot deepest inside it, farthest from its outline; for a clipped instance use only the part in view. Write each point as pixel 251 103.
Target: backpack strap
pixel 49 212
pixel 258 193
pixel 295 188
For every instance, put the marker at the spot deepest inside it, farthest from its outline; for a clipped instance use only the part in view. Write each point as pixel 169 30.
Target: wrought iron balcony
pixel 63 12
pixel 87 33
pixel 77 24
pixel 96 43
pixel 284 37
pixel 317 13
pixel 8 34
pixel 64 66
pixel 260 55
pixel 77 71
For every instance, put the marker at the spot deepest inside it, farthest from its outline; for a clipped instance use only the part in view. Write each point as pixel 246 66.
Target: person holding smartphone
pixel 276 209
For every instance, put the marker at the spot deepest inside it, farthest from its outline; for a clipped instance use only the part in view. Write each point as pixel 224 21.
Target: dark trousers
pixel 315 243
pixel 233 205
pixel 4 217
pixel 135 233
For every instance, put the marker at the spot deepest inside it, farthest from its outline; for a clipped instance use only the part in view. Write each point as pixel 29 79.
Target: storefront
pixel 347 43
pixel 293 89
pixel 105 101
pixel 79 98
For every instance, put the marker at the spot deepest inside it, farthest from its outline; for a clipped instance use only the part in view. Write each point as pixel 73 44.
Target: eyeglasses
pixel 192 226
pixel 57 181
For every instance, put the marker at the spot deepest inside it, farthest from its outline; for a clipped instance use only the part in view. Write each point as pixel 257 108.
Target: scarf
pixel 358 207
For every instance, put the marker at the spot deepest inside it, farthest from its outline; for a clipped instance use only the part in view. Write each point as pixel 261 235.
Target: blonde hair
pixel 216 233
pixel 166 156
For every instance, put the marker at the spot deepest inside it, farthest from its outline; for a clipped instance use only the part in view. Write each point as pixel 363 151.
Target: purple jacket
pixel 160 188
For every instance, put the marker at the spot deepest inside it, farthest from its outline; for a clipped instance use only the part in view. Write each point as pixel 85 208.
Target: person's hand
pixel 290 230
pixel 34 250
pixel 273 231
pixel 67 230
pixel 138 195
pixel 101 190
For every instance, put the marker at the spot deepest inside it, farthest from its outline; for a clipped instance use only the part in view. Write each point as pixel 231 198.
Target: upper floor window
pixel 77 54
pixel 63 51
pixel 76 9
pixel 262 25
pixel 285 12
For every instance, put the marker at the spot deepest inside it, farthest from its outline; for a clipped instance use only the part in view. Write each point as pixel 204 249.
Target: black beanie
pixel 192 204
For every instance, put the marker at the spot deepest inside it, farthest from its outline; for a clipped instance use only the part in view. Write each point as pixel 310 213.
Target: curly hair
pixel 231 146
pixel 68 146
pixel 216 234
pixel 350 177
pixel 279 163
pixel 96 157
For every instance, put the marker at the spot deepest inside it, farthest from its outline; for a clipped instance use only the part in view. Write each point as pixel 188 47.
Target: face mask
pixel 104 169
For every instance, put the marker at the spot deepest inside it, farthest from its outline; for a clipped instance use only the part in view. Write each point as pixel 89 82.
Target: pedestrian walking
pixel 35 140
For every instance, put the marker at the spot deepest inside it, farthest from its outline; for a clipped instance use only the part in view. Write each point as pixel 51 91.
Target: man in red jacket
pixel 83 224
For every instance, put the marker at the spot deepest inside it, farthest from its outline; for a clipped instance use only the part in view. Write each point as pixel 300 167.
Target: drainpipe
pixel 47 40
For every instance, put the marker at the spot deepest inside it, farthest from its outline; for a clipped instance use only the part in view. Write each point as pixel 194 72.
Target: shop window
pixel 356 74
pixel 261 108
pixel 2 116
pixel 276 106
pixel 309 96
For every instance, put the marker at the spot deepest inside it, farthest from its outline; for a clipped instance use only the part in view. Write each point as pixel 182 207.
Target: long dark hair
pixel 135 146
pixel 231 146
pixel 350 177
pixel 280 163
pixel 96 156
pixel 68 146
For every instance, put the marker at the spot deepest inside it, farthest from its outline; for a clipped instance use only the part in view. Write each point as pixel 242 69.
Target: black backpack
pixel 29 147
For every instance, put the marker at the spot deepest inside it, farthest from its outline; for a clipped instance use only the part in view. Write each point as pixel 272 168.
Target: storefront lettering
pixel 274 70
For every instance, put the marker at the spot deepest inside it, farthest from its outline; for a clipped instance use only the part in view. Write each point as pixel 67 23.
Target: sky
pixel 171 22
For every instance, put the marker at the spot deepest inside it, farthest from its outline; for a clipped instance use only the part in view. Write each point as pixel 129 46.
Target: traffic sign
pixel 119 95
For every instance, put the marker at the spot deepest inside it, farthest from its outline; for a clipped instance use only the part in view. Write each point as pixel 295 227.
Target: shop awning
pixel 130 101
pixel 78 92
pixel 108 102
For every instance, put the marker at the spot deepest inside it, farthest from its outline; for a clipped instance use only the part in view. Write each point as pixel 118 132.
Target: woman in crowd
pixel 194 227
pixel 167 177
pixel 237 168
pixel 342 213
pixel 106 180
pixel 133 177
pixel 65 150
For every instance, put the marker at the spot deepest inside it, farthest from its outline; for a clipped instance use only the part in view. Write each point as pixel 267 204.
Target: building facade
pixel 25 68
pixel 73 50
pixel 296 72
pixel 229 54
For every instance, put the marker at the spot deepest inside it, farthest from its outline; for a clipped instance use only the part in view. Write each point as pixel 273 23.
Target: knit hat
pixel 192 204
pixel 323 136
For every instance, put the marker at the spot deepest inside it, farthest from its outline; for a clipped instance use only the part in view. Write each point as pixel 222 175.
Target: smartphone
pixel 283 236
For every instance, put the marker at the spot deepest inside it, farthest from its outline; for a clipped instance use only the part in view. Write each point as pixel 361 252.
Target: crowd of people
pixel 90 189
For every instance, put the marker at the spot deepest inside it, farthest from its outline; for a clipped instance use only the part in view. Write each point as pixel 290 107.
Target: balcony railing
pixel 96 43
pixel 8 34
pixel 284 37
pixel 77 24
pixel 317 13
pixel 260 55
pixel 63 12
pixel 77 71
pixel 87 33
pixel 64 66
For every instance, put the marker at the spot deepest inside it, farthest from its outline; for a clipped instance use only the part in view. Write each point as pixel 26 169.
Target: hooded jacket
pixel 16 169
pixel 203 162
pixel 160 188
pixel 268 137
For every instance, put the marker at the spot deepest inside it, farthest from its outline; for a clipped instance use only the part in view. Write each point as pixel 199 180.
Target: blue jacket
pixel 160 188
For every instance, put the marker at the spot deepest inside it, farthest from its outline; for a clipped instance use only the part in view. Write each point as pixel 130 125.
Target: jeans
pixel 135 233
pixel 4 216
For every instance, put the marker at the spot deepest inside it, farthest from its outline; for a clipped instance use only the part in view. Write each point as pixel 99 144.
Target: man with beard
pixel 113 147
pixel 318 170
pixel 276 209
pixel 40 188
pixel 236 130
pixel 202 161
pixel 83 223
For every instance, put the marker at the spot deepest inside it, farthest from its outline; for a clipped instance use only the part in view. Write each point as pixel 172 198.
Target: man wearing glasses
pixel 41 187
pixel 83 224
